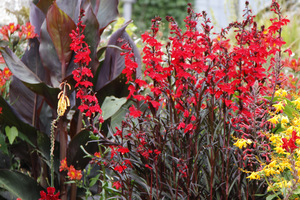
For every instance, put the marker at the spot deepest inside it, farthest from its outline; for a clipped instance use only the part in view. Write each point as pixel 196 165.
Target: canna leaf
pixel 59 26
pixel 70 7
pixel 28 190
pixel 74 153
pixel 44 5
pixel 111 105
pixel 92 35
pixel 18 68
pixel 36 18
pixel 106 11
pixel 114 63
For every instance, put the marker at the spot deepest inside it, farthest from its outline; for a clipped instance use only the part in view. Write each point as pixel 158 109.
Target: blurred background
pixel 141 12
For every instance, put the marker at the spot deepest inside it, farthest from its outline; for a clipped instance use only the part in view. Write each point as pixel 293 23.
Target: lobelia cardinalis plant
pixel 47 120
pixel 198 91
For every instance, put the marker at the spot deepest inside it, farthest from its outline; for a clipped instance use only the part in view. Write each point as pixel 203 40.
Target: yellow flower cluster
pixel 286 119
pixel 240 143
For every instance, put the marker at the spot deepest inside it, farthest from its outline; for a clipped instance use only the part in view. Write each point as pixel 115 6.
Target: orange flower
pixel 74 174
pixel 63 165
pixel 7 73
pixel 97 154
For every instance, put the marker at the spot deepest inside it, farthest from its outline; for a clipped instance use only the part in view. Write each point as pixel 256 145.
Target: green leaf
pixel 94 180
pixel 270 197
pixel 111 105
pixel 11 118
pixel 11 133
pixel 20 185
pixel 59 26
pixel 296 191
pixel 3 145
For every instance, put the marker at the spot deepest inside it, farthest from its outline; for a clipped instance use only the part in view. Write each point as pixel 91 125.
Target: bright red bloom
pixel 123 150
pixel 50 194
pixel 290 146
pixel 135 112
pixel 120 168
pixel 117 184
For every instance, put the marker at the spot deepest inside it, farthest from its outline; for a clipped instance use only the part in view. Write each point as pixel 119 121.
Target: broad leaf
pixel 32 60
pixel 75 154
pixel 25 101
pixel 11 118
pixel 44 5
pixel 111 105
pixel 114 63
pixel 49 57
pixel 18 68
pixel 20 185
pixel 116 87
pixel 59 26
pixel 70 7
pixel 31 77
pixel 107 12
pixel 36 18
pixel 3 145
pixel 92 35
pixel 11 133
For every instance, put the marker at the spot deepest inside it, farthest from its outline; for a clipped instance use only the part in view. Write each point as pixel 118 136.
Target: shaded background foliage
pixel 145 10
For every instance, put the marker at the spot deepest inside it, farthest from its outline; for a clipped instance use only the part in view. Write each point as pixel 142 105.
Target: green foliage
pixel 145 10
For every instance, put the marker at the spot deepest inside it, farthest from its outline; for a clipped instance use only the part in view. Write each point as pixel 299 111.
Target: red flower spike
pixel 89 103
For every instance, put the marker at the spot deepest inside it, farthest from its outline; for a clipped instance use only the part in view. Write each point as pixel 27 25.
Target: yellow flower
pixel 284 120
pixel 297 103
pixel 279 150
pixel 279 107
pixel 275 138
pixel 240 143
pixel 253 175
pixel 274 120
pixel 281 93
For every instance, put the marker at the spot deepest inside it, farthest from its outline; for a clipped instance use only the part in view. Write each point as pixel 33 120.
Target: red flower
pixel 134 112
pixel 148 166
pixel 120 168
pixel 123 150
pixel 117 184
pixel 50 194
pixel 290 146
